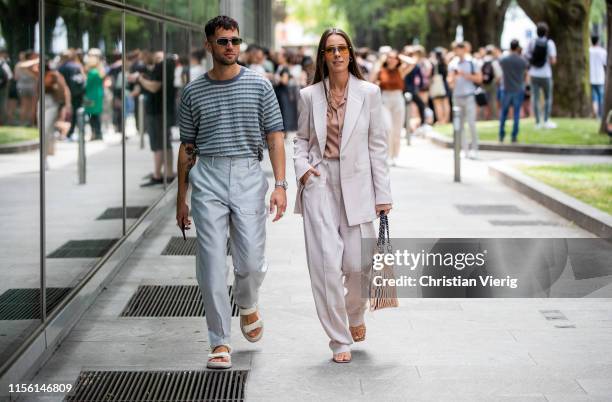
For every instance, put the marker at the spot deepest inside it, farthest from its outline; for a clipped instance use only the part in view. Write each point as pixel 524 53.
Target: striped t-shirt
pixel 229 117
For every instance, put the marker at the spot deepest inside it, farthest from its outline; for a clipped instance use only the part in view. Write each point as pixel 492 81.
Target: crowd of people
pixel 419 88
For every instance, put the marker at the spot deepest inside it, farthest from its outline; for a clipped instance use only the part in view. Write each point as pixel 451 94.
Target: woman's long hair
pixel 321 71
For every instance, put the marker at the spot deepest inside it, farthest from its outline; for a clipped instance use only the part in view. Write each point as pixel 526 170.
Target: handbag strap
pixel 383 234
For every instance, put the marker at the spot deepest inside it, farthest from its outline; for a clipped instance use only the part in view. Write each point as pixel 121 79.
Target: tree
pixel 482 21
pixel 18 20
pixel 569 28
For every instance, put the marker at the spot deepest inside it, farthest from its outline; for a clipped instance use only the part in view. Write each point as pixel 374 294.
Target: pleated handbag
pixel 384 296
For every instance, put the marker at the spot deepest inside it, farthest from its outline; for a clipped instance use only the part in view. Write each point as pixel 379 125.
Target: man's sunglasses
pixel 224 41
pixel 342 49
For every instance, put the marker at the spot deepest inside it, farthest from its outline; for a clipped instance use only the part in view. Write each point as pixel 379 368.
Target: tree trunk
pixel 608 91
pixel 569 29
pixel 442 25
pixel 18 20
pixel 482 22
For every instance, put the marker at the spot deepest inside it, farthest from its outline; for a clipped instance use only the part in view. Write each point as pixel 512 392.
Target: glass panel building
pixel 88 146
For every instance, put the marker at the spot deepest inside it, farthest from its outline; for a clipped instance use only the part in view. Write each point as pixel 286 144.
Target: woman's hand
pixel 383 208
pixel 306 175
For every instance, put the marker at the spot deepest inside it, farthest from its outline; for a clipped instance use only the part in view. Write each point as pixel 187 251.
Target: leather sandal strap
pixel 250 327
pixel 247 311
pixel 229 348
pixel 217 355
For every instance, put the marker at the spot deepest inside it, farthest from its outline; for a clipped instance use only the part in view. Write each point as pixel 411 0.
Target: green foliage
pixel 598 11
pixel 568 132
pixel 315 16
pixel 588 183
pixel 9 134
pixel 397 21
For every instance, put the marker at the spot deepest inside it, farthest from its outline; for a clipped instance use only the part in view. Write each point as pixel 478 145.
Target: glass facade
pixel 88 139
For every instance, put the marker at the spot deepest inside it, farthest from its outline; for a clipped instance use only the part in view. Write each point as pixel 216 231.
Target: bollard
pixel 82 158
pixel 141 106
pixel 457 138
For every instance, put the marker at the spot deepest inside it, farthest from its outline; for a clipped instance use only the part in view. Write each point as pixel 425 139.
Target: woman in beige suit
pixel 343 185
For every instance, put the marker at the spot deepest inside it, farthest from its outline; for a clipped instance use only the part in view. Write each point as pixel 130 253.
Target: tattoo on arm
pixel 191 158
pixel 271 146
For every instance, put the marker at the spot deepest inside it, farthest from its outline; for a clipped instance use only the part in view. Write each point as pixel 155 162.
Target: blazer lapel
pixel 353 108
pixel 319 109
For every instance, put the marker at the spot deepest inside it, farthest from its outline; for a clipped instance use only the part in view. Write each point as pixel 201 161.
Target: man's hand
pixel 182 215
pixel 383 208
pixel 278 198
pixel 306 175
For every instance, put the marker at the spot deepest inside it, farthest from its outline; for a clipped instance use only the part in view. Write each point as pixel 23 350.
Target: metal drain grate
pixel 24 304
pixel 489 209
pixel 522 223
pixel 169 301
pixel 178 246
pixel 117 213
pixel 157 386
pixel 93 248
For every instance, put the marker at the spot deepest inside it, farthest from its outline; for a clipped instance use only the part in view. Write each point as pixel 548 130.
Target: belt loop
pixel 212 161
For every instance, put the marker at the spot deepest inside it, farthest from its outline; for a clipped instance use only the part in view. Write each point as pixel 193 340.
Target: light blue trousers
pixel 228 194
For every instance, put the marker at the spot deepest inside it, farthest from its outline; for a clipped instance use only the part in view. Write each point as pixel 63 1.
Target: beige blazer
pixel 364 176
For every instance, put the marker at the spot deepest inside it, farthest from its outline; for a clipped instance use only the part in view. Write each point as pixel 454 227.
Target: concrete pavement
pixel 426 350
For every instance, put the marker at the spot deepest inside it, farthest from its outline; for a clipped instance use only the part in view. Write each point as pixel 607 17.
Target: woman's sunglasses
pixel 224 41
pixel 342 49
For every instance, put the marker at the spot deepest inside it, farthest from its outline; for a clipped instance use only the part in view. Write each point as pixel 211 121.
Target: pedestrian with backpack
pixel 542 55
pixel 491 76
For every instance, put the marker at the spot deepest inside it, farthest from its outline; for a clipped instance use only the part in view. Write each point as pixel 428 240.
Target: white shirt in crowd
pixel 598 58
pixel 545 71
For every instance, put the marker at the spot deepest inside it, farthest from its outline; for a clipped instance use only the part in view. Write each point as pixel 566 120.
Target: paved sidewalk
pixel 428 349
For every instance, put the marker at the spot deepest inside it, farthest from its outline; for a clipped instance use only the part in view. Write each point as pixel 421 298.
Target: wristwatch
pixel 281 183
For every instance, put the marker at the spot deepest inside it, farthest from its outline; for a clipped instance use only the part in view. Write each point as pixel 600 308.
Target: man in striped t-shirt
pixel 224 117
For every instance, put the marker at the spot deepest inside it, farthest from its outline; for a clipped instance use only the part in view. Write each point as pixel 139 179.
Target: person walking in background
pixel 491 76
pixel 6 75
pixel 514 69
pixel 57 93
pixel 343 178
pixel 542 55
pixel 598 60
pixel 151 83
pixel 226 130
pixel 74 75
pixel 426 69
pixel 438 90
pixel 94 91
pixel 463 78
pixel 412 83
pixel 286 91
pixel 26 76
pixel 390 78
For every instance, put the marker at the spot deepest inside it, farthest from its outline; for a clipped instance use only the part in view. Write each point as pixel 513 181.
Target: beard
pixel 220 58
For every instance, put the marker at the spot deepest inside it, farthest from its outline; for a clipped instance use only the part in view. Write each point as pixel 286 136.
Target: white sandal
pixel 215 355
pixel 246 328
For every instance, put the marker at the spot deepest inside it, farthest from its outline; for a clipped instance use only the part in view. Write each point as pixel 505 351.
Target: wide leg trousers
pixel 228 194
pixel 333 253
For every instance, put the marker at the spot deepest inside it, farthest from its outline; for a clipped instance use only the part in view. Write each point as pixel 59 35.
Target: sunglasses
pixel 342 49
pixel 235 41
